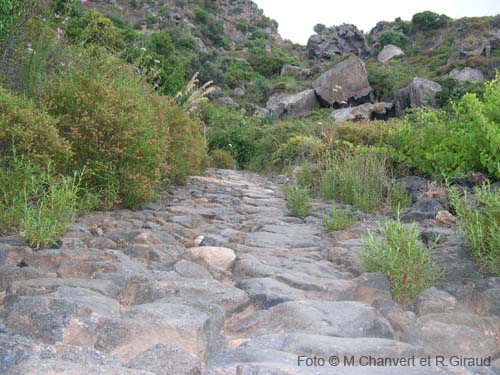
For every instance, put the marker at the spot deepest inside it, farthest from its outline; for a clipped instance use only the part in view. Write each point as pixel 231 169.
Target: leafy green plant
pixel 480 224
pixel 394 37
pixel 402 258
pixel 222 159
pixel 338 220
pixel 297 201
pixel 449 144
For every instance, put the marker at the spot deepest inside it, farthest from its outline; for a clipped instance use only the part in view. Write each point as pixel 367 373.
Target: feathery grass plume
pixel 193 96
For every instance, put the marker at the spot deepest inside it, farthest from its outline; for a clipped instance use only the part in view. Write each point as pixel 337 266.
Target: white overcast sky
pixel 297 18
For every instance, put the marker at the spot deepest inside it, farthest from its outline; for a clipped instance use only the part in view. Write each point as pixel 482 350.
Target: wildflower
pixel 44 19
pixel 59 33
pixel 30 50
pixel 57 16
pixel 62 64
pixel 143 49
pixel 157 61
pixel 83 2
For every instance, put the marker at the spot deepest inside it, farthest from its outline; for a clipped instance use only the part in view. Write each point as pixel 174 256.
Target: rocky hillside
pixel 220 23
pixel 234 44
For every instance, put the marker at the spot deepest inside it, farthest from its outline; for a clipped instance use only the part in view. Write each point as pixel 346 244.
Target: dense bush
pixel 449 144
pixel 296 149
pixel 30 132
pixel 480 223
pixel 106 114
pixel 394 37
pixel 427 21
pixel 222 159
pixel 402 258
pixel 229 130
pixel 187 151
pixel 94 28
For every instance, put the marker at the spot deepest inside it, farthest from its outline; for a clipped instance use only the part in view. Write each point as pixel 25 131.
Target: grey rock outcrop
pixel 346 82
pixel 226 101
pixel 300 104
pixel 388 52
pixel 337 41
pixel 420 92
pixel 467 75
pixel 365 111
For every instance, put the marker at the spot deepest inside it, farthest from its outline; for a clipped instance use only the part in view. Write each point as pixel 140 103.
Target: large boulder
pixel 300 104
pixel 226 101
pixel 347 81
pixel 467 75
pixel 420 92
pixel 365 111
pixel 388 52
pixel 337 41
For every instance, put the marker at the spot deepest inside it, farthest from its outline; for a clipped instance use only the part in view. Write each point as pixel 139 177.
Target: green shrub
pixel 427 20
pixel 222 159
pixel 307 175
pixel 31 132
pixel 359 179
pixel 297 201
pixel 295 150
pixel 233 132
pixel 95 28
pixel 11 12
pixel 116 132
pixel 480 224
pixel 402 258
pixel 338 220
pixel 394 37
pixel 449 144
pixel 187 148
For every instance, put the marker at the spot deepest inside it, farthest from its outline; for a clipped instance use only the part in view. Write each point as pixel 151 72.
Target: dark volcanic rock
pixel 337 41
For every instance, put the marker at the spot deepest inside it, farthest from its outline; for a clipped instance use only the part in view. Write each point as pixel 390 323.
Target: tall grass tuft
pixel 480 224
pixel 402 258
pixel 297 201
pixel 359 179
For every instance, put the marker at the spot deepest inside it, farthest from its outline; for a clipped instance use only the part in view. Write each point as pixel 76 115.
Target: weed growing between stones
pixel 338 220
pixel 402 258
pixel 36 202
pixel 297 201
pixel 480 224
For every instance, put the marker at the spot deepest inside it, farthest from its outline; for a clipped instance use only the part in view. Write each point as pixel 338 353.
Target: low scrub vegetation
pixel 81 128
pixel 338 220
pixel 402 258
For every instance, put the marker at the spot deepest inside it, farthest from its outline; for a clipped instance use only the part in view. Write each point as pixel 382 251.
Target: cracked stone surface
pixel 216 278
